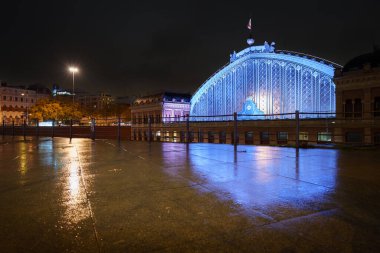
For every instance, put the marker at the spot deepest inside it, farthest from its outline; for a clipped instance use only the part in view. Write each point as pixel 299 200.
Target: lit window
pixel 324 137
pixel 303 136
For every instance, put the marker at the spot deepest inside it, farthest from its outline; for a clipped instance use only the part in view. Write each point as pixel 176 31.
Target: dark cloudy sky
pixel 134 47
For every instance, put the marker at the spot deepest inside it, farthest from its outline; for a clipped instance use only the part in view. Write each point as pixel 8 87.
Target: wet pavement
pixel 99 196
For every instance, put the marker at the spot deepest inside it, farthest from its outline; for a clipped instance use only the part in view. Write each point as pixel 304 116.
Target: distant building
pixel 358 99
pixel 58 91
pixel 123 105
pixel 95 102
pixel 15 101
pixel 160 108
pixel 90 102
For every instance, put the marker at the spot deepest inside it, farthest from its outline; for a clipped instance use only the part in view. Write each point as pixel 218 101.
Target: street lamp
pixel 73 70
pixel 26 103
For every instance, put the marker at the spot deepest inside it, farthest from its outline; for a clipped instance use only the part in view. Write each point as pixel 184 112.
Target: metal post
pixel 297 129
pixel 3 127
pixel 73 85
pixel 149 129
pixel 188 129
pixel 118 129
pixel 52 129
pixel 13 128
pixel 23 129
pixel 93 129
pixel 235 129
pixel 71 129
pixel 38 129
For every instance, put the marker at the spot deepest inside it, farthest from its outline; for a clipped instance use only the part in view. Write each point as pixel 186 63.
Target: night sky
pixel 141 47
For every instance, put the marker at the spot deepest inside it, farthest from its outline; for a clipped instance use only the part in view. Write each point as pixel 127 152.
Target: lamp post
pixel 73 70
pixel 26 103
pixel 1 108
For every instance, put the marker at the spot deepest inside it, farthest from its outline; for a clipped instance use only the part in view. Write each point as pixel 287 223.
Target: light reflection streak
pixel 47 147
pixel 23 165
pixel 74 177
pixel 74 196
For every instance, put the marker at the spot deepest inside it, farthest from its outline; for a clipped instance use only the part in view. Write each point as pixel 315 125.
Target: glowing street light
pixel 73 70
pixel 26 103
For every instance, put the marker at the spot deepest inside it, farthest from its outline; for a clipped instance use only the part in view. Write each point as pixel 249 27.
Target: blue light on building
pixel 272 82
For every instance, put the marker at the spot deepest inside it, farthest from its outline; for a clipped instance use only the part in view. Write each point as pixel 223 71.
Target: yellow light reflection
pixel 74 195
pixel 74 179
pixel 23 168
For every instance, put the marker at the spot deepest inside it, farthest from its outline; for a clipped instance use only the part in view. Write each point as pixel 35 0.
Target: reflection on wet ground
pixel 104 196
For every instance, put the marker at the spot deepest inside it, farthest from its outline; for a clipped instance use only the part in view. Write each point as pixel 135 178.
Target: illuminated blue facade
pixel 275 82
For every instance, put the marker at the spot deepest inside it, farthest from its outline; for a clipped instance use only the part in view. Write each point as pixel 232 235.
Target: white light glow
pixel 73 69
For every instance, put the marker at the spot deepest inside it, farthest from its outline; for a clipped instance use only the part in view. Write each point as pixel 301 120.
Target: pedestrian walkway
pixel 105 196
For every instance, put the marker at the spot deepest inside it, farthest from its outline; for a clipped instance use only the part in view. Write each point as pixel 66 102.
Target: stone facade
pixel 358 99
pixel 15 103
pixel 160 108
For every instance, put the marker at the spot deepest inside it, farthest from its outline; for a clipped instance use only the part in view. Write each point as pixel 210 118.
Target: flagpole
pixel 250 39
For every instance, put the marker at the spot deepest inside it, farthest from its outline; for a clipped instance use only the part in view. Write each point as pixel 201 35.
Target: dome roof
pixel 360 61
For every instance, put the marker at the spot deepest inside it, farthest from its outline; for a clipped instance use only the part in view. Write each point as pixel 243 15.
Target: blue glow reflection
pixel 258 175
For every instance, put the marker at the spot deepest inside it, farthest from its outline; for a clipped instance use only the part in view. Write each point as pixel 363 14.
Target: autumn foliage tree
pixel 53 109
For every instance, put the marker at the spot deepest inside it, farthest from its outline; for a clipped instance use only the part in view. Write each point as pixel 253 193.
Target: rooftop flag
pixel 249 26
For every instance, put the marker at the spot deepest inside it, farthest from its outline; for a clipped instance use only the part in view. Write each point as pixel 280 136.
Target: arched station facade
pixel 259 80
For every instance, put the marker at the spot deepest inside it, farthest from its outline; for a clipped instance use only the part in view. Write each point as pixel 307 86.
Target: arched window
pixel 358 108
pixel 348 108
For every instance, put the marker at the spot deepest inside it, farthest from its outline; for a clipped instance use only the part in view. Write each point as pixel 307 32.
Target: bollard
pixel 23 129
pixel 118 129
pixel 235 129
pixel 297 129
pixel 13 128
pixel 93 130
pixel 52 128
pixel 188 129
pixel 149 130
pixel 71 129
pixel 38 129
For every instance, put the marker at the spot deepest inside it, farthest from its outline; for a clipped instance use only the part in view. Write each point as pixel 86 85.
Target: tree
pixel 53 109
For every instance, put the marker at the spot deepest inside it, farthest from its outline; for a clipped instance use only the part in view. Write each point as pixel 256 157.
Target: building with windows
pixel 15 101
pixel 165 107
pixel 354 118
pixel 94 102
pixel 358 99
pixel 265 88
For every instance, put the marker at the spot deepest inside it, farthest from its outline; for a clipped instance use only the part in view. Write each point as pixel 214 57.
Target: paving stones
pixel 104 196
